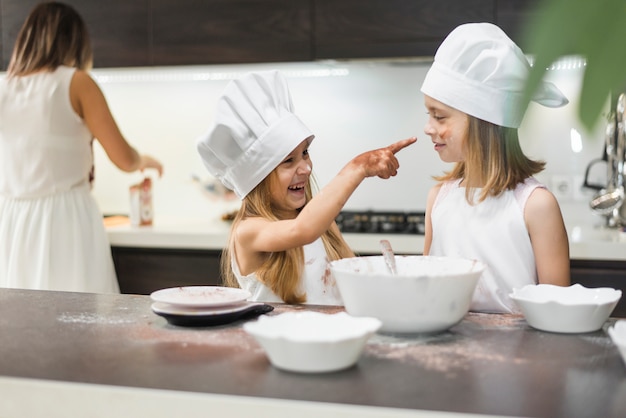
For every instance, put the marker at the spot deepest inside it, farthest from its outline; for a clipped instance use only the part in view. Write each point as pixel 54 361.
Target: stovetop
pixel 374 222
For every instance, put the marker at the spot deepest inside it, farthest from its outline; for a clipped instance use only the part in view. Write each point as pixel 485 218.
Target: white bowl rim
pixel 352 327
pixel 476 267
pixel 607 295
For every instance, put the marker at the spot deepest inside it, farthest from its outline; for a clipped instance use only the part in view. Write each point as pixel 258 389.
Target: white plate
pixel 166 308
pixel 200 296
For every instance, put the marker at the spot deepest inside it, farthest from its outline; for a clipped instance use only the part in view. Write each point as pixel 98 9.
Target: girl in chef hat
pixel 282 237
pixel 489 206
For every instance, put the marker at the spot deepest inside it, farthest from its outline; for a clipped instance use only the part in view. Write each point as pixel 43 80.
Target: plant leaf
pixel 595 30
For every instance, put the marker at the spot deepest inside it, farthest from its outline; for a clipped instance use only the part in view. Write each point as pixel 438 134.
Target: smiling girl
pixel 282 237
pixel 489 207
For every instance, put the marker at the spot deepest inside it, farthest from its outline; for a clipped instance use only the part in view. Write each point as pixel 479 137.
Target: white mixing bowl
pixel 571 309
pixel 429 294
pixel 312 342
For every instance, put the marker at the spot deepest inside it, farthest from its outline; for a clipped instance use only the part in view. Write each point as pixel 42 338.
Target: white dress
pixel 317 280
pixel 493 232
pixel 51 232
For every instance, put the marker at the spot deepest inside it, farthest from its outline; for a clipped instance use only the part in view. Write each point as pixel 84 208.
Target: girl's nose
pixel 304 167
pixel 428 129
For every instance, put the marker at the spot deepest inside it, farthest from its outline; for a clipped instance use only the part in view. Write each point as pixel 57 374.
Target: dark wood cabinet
pixel 515 17
pixel 602 273
pixel 194 32
pixel 230 31
pixel 119 29
pixel 390 28
pixel 144 270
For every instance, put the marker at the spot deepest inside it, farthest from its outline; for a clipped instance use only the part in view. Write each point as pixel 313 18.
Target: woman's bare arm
pixel 90 104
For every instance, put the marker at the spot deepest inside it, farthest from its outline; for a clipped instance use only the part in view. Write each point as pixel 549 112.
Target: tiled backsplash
pixel 350 106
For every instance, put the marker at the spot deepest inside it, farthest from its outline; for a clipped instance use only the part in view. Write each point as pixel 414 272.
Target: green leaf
pixel 595 30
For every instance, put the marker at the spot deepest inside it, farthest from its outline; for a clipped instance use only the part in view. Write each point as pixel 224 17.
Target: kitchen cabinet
pixel 516 17
pixel 144 270
pixel 602 273
pixel 119 29
pixel 390 28
pixel 184 32
pixel 194 32
pixel 230 31
pixel 401 28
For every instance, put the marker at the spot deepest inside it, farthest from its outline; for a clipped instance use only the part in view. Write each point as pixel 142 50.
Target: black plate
pixel 214 320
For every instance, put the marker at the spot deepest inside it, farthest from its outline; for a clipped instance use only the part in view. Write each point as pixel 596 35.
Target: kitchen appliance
pixel 374 222
pixel 609 200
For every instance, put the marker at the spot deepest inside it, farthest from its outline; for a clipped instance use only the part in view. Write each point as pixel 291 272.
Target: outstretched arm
pixel 262 235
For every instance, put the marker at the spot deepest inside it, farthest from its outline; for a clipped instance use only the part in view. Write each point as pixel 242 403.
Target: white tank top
pixel 316 281
pixel 493 232
pixel 44 144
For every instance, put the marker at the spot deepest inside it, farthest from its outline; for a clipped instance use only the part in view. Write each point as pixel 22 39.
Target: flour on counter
pixel 90 318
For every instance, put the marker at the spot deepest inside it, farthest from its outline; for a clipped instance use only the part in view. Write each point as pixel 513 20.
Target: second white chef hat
pixel 254 130
pixel 480 71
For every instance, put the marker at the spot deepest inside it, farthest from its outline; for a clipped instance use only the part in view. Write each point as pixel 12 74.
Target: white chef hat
pixel 480 71
pixel 254 130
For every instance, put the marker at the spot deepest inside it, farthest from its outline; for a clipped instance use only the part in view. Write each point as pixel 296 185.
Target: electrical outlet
pixel 581 193
pixel 562 186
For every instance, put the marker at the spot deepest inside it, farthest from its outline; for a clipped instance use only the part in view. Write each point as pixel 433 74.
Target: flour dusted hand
pixel 382 162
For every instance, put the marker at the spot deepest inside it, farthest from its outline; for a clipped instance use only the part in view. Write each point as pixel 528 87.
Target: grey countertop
pixel 485 365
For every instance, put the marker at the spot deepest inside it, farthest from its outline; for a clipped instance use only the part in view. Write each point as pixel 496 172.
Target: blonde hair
pixel 494 160
pixel 282 270
pixel 53 34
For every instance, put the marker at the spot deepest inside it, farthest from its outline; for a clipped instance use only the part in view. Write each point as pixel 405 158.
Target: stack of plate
pixel 205 305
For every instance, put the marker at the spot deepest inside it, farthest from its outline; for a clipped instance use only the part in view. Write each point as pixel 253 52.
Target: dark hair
pixel 53 34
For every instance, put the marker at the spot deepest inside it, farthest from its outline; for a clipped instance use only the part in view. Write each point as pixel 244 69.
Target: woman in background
pixel 282 237
pixel 52 235
pixel 489 207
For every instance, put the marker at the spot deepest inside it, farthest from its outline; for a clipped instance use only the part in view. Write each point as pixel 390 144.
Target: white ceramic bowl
pixel 429 294
pixel 618 334
pixel 312 342
pixel 572 309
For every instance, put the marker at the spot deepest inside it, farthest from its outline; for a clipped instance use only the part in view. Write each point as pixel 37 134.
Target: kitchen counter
pixel 587 241
pixel 69 354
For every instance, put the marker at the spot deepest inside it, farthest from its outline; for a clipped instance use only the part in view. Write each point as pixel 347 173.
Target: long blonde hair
pixel 282 270
pixel 494 160
pixel 53 34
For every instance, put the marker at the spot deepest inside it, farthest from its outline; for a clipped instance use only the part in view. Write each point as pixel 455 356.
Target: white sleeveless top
pixel 51 232
pixel 493 232
pixel 317 280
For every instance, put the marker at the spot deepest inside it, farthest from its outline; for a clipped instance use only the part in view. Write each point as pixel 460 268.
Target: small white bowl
pixel 429 294
pixel 572 309
pixel 618 334
pixel 312 342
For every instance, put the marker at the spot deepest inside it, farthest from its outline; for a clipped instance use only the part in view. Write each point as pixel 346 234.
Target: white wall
pixel 365 105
